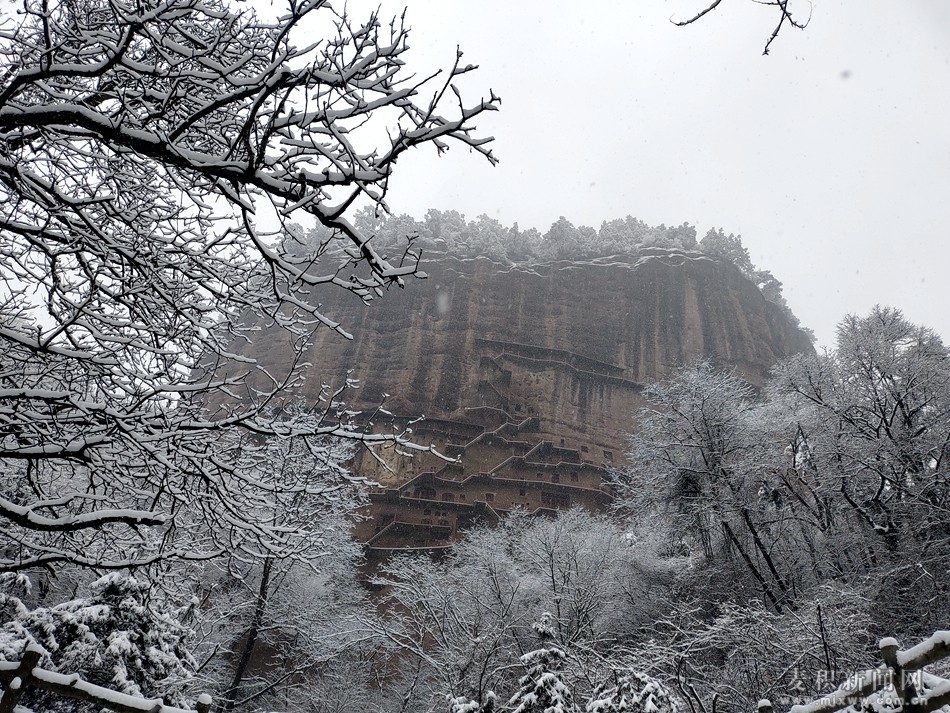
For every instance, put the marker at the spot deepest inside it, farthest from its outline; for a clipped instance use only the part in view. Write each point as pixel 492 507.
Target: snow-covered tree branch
pixel 782 10
pixel 139 143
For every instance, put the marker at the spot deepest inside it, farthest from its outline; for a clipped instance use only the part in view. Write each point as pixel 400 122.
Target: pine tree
pixel 112 638
pixel 542 689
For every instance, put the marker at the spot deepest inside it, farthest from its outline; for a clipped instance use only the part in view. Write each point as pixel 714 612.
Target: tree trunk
pixel 766 589
pixel 229 698
pixel 760 546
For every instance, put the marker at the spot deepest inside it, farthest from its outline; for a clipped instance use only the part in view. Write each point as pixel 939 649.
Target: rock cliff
pixel 531 376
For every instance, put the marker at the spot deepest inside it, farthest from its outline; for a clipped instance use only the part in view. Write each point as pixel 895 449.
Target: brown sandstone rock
pixel 506 362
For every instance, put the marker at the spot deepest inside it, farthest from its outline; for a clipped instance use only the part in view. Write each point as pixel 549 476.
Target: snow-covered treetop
pixel 449 232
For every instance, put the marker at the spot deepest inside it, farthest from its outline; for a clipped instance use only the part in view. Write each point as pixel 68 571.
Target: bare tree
pixel 699 451
pixel 463 621
pixel 266 625
pixel 138 143
pixel 875 422
pixel 739 652
pixel 452 624
pixel 785 17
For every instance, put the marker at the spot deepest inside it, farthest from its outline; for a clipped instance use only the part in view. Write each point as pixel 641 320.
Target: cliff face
pixel 533 375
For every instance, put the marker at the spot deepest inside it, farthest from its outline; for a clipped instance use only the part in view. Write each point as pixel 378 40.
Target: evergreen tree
pixel 561 240
pixel 113 638
pixel 728 247
pixel 542 689
pixel 631 692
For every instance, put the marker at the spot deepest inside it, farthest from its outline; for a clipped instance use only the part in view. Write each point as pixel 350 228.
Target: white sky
pixel 831 156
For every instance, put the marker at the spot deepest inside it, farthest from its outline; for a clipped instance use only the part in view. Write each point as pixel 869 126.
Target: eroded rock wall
pixel 500 359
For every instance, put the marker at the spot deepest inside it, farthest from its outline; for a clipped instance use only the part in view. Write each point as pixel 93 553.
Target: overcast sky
pixel 830 156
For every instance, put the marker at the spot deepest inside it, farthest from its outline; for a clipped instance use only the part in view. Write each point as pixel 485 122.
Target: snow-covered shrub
pixel 631 692
pixel 112 638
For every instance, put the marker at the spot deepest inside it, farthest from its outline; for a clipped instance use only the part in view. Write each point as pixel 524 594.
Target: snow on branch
pixel 784 14
pixel 72 686
pixel 138 144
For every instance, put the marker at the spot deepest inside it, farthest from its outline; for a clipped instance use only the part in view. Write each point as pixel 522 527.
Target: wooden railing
pixel 900 683
pixel 18 676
